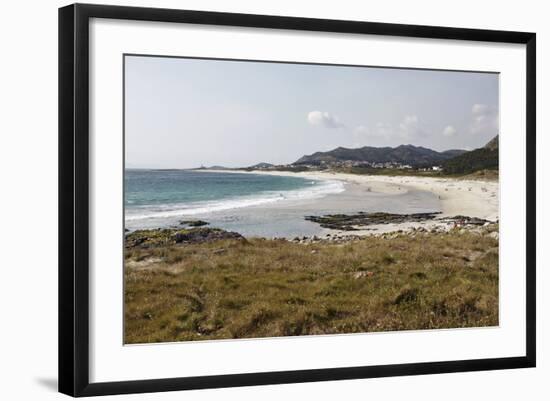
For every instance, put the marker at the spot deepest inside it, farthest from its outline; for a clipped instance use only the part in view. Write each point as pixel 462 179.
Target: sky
pixel 184 113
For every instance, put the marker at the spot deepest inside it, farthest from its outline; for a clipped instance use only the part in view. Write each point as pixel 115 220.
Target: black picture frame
pixel 74 198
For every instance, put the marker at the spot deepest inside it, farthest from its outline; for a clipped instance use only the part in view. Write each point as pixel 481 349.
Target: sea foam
pixel 317 189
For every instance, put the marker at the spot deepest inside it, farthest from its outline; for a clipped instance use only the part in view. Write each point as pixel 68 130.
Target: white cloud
pixel 409 127
pixel 361 130
pixel 478 109
pixel 362 135
pixel 484 119
pixel 324 119
pixel 384 129
pixel 410 120
pixel 449 131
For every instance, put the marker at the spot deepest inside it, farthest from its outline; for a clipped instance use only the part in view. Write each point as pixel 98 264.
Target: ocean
pixel 164 197
pixel 251 204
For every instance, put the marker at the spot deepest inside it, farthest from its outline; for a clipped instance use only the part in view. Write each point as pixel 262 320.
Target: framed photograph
pixel 251 199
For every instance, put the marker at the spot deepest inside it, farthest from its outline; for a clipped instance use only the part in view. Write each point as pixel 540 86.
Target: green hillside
pixel 485 158
pixel 405 154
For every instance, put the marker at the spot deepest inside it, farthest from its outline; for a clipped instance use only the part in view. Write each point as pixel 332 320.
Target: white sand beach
pixel 456 197
pixel 473 198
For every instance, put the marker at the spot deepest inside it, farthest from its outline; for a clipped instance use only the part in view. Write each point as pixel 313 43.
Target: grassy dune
pixel 256 288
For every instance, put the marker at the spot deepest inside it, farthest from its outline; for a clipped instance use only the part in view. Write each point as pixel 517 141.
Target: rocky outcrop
pixel 204 235
pixel 171 236
pixel 352 222
pixel 194 223
pixel 361 220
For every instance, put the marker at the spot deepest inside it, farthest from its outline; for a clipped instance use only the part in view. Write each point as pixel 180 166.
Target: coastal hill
pixel 370 160
pixel 404 154
pixel 485 158
pixel 212 168
pixel 258 166
pixel 261 165
pixel 492 144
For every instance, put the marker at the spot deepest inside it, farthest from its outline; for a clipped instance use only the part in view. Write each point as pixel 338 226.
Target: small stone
pixel 363 274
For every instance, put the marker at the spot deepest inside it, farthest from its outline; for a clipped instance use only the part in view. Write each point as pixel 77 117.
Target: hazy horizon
pixel 185 113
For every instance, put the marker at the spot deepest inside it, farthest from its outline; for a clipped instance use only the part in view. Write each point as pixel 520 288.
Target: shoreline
pixel 471 198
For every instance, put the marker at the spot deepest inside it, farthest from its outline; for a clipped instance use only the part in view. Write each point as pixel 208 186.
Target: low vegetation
pixel 469 162
pixel 158 237
pixel 392 172
pixel 483 174
pixel 242 288
pixel 289 168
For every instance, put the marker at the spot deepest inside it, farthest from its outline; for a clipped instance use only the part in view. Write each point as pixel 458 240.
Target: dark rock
pixel 194 223
pixel 170 236
pixel 466 220
pixel 133 242
pixel 350 222
pixel 204 235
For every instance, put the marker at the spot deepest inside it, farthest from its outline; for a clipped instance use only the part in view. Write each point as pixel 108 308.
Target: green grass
pixel 392 172
pixel 470 162
pixel 485 175
pixel 258 288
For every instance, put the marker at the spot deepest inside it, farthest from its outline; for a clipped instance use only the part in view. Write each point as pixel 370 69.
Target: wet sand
pixel 395 194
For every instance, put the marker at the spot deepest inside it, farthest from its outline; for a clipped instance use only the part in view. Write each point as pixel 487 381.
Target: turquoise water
pixel 170 194
pixel 253 204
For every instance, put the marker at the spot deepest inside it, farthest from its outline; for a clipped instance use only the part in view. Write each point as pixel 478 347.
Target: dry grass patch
pixel 258 288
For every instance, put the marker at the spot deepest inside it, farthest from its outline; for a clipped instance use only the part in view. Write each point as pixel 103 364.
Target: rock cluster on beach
pixel 362 220
pixel 488 229
pixel 342 229
pixel 333 238
pixel 352 222
pixel 443 226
